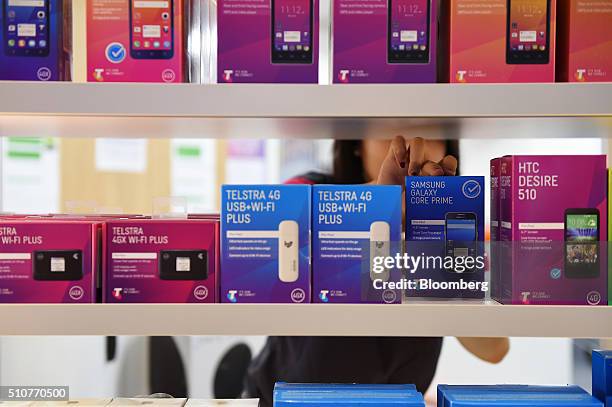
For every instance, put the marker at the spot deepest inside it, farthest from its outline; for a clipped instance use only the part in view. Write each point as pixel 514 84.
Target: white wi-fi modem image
pixel 288 251
pixel 380 236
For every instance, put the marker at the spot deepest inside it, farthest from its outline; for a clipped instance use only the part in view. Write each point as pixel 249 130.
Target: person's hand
pixel 407 157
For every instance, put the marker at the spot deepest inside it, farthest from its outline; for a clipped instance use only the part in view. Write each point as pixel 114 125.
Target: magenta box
pixel 553 212
pixel 371 37
pixel 257 42
pixel 45 261
pixel 161 261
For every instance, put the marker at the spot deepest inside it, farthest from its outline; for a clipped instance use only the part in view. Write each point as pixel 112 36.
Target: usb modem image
pixel 380 236
pixel 288 251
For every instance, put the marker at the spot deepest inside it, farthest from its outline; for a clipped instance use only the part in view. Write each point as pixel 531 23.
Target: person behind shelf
pixel 374 359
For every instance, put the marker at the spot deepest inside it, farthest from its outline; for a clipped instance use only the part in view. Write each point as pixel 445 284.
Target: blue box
pixel 346 395
pixel 346 220
pixel 43 59
pixel 602 374
pixel 445 229
pixel 265 243
pixel 514 396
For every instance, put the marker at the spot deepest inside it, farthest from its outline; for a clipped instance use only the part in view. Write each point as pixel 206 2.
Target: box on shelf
pixel 222 403
pixel 445 231
pixel 267 42
pixel 609 246
pixel 161 261
pixel 353 224
pixel 584 49
pixel 265 243
pixel 498 41
pixel 494 266
pixel 553 213
pixel 396 41
pixel 136 41
pixel 602 374
pixel 36 40
pixel 49 261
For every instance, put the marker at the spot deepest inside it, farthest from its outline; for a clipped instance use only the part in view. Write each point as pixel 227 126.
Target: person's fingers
pixel 398 149
pixel 417 155
pixel 431 168
pixel 449 165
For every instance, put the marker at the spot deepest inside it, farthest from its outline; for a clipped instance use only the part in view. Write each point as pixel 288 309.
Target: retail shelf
pixel 448 318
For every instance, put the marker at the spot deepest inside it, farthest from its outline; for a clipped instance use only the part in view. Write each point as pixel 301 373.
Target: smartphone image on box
pixel 528 32
pixel 460 231
pixel 152 29
pixel 58 265
pixel 292 22
pixel 183 265
pixel 26 27
pixel 408 31
pixel 582 243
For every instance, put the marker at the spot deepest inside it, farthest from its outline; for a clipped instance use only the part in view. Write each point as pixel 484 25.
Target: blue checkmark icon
pixel 471 189
pixel 555 274
pixel 115 52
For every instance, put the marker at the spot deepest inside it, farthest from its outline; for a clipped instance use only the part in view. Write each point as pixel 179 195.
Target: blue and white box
pixel 445 236
pixel 265 243
pixel 353 227
pixel 602 374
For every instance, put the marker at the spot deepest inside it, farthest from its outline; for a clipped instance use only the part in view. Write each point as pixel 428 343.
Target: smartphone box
pixel 46 261
pixel 487 41
pixel 161 261
pixel 267 42
pixel 584 51
pixel 265 243
pixel 553 212
pixel 494 266
pixel 129 43
pixel 35 40
pixel 352 224
pixel 384 50
pixel 445 230
pixel 602 374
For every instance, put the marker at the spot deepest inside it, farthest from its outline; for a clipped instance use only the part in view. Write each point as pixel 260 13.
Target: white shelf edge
pixel 420 319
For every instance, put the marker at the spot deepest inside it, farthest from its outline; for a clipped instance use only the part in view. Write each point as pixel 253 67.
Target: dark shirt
pixel 366 360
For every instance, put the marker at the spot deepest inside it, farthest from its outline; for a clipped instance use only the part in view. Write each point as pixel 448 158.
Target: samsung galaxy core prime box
pixel 161 261
pixel 265 243
pixel 267 41
pixel 379 41
pixel 499 41
pixel 602 374
pixel 135 41
pixel 584 51
pixel 48 261
pixel 35 40
pixel 445 237
pixel 355 228
pixel 553 212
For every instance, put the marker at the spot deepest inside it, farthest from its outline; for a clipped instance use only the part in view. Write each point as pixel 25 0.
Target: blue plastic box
pixel 346 395
pixel 602 374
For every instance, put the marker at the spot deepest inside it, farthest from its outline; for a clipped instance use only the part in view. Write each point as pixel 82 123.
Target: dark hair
pixel 348 163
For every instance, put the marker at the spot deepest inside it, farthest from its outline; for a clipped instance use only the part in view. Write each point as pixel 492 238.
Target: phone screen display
pixel 26 27
pixel 151 32
pixel 528 31
pixel 408 31
pixel 581 236
pixel 460 231
pixel 292 31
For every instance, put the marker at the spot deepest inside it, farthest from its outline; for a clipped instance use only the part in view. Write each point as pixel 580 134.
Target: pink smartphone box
pixel 161 261
pixel 499 41
pixel 553 213
pixel 494 230
pixel 584 51
pixel 49 261
pixel 135 41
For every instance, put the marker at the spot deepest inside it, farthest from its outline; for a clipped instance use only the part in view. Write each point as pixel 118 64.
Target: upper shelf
pixel 306 101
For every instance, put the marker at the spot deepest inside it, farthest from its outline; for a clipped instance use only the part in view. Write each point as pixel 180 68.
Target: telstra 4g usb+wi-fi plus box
pixel 48 261
pixel 553 213
pixel 161 260
pixel 445 237
pixel 265 243
pixel 354 228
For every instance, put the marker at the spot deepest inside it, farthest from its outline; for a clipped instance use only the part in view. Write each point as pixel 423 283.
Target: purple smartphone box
pixel 48 261
pixel 273 41
pixel 31 40
pixel 161 261
pixel 494 266
pixel 380 41
pixel 553 212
